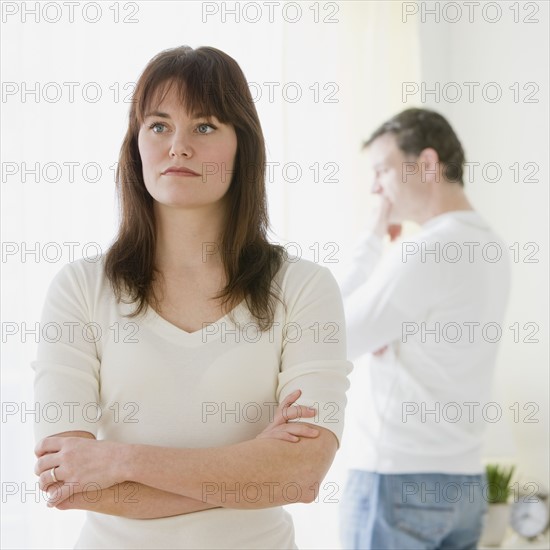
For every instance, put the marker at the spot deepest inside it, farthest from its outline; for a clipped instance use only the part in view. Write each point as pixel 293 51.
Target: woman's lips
pixel 185 172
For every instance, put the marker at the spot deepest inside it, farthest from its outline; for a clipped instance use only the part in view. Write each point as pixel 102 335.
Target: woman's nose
pixel 181 146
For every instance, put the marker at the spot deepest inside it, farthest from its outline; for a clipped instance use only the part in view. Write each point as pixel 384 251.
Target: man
pixel 429 313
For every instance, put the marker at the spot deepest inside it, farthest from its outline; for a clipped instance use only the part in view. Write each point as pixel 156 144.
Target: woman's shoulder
pixel 84 275
pixel 296 264
pixel 85 266
pixel 298 275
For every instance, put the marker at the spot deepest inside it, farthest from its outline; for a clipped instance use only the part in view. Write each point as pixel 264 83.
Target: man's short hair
pixel 416 129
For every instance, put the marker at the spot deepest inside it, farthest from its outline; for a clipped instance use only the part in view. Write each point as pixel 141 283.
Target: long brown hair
pixel 208 82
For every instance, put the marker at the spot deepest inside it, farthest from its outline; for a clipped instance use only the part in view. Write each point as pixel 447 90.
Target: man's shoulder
pixel 460 224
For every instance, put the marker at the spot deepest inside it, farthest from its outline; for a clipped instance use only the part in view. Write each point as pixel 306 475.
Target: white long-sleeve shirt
pixel 155 384
pixel 437 300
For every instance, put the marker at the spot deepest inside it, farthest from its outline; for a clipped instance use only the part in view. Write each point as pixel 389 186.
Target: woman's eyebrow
pixel 160 114
pixel 157 113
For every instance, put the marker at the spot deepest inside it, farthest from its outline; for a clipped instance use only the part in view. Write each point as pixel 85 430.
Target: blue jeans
pixel 412 511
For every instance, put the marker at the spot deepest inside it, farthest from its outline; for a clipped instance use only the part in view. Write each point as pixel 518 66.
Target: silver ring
pixel 52 473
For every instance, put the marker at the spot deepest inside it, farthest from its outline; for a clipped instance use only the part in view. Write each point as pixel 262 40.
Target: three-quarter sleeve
pixel 66 383
pixel 314 345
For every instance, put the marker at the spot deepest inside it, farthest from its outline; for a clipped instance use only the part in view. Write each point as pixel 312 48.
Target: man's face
pixel 396 178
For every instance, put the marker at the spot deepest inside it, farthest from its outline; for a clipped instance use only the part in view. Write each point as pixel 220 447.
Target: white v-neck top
pixel 157 384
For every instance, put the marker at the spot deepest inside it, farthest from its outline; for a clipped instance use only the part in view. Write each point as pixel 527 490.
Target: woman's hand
pixel 281 428
pixel 80 465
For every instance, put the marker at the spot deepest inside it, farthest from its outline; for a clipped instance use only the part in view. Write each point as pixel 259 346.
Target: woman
pixel 191 338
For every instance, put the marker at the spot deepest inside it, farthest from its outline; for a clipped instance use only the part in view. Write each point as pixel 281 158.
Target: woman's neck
pixel 188 240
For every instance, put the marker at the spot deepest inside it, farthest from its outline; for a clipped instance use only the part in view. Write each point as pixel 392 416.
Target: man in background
pixel 430 312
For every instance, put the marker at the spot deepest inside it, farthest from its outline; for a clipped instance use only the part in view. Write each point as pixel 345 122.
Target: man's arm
pixel 370 323
pixel 368 250
pixel 365 257
pixel 377 312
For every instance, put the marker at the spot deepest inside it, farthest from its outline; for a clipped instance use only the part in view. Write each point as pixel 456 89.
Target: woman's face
pixel 187 162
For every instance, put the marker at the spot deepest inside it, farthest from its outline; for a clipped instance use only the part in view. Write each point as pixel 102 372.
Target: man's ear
pixel 428 160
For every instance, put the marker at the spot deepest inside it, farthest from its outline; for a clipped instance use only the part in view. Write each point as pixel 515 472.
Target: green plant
pixel 498 483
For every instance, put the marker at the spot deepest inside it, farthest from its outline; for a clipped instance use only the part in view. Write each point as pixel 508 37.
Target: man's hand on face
pixel 394 231
pixel 380 351
pixel 381 220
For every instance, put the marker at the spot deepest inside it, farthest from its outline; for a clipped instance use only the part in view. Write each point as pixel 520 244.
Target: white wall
pixel 504 132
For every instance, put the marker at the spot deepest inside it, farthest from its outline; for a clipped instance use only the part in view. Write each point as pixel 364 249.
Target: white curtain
pixel 64 112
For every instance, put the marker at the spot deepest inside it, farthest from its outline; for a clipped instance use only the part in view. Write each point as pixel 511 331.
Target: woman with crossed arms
pixel 209 333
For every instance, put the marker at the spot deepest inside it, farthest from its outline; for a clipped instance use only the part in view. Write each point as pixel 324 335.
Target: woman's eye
pixel 204 128
pixel 157 125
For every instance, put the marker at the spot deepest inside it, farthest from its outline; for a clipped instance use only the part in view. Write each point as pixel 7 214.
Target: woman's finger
pixel 46 480
pixel 299 429
pixel 290 432
pixel 283 436
pixel 297 411
pixel 290 398
pixel 59 493
pixel 285 404
pixel 48 445
pixel 46 462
